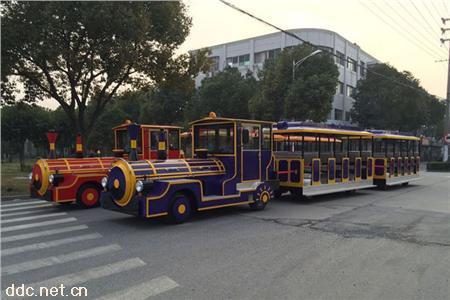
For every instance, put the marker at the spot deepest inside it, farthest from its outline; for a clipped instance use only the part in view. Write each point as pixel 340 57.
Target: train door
pixel 251 152
pixel 153 147
pixel 266 150
pixel 174 143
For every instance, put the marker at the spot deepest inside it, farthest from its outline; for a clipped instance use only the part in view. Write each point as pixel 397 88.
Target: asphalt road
pixel 373 244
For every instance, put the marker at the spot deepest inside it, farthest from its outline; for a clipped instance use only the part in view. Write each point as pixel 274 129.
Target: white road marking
pixel 23 203
pixel 143 290
pixel 33 217
pixel 78 278
pixel 39 224
pixel 26 236
pixel 59 259
pixel 49 244
pixel 20 213
pixel 26 207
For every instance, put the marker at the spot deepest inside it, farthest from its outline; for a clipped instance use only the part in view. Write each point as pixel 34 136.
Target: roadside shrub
pixel 438 166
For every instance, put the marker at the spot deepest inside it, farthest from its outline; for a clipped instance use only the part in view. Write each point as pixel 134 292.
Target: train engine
pixel 233 165
pixel 68 180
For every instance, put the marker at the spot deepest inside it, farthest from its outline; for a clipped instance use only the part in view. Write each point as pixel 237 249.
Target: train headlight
pixel 51 178
pixel 104 182
pixel 139 186
pixel 30 176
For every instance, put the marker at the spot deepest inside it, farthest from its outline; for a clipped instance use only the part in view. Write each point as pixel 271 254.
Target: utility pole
pixel 447 115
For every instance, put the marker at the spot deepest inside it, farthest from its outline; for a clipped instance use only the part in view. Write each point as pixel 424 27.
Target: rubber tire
pixel 174 216
pixel 259 204
pixel 405 183
pixel 80 193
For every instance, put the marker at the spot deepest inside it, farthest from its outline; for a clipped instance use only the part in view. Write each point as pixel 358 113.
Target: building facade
pixel 250 54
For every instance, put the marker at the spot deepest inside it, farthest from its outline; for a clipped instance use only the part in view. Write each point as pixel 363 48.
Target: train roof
pixel 149 126
pixel 218 119
pixel 319 130
pixel 395 136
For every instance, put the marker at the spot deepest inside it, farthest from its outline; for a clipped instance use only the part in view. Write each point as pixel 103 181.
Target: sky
pixel 403 33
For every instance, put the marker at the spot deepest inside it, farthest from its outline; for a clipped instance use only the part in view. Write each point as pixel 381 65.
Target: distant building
pixel 250 54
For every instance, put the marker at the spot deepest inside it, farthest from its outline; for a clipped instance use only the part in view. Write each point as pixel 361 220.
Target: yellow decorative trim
pixel 52 146
pixel 225 205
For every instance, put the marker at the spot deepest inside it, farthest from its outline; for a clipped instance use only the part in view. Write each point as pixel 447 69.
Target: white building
pixel 250 54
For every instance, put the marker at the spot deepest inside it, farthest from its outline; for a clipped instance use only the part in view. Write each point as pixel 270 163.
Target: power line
pixel 432 41
pixel 405 36
pixel 410 32
pixel 436 9
pixel 317 47
pixel 432 17
pixel 445 7
pixel 423 17
pixel 415 18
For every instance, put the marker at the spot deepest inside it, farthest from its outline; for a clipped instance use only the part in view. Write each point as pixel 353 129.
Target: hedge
pixel 438 166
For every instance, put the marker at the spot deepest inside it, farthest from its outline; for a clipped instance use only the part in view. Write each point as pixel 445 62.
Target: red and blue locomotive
pixel 232 165
pixel 68 180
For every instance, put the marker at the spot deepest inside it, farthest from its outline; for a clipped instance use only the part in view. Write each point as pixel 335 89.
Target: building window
pixel 260 57
pixel 349 90
pixel 340 58
pixel 232 61
pixel 337 114
pixel 244 60
pixel 340 88
pixel 351 64
pixel 362 69
pixel 272 54
pixel 214 63
pixel 347 116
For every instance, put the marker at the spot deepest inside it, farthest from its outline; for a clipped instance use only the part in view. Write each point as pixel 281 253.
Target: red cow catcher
pixel 68 180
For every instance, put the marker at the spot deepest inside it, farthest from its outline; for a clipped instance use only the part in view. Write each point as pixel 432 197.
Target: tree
pixel 394 100
pixel 227 94
pixel 21 122
pixel 82 52
pixel 306 97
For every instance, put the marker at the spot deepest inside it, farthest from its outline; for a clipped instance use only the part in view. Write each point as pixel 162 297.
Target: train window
pixel 123 141
pixel 174 140
pixel 253 140
pixel 217 138
pixel 154 138
pixel 266 130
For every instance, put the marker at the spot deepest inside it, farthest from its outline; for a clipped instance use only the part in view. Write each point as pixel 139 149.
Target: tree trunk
pixel 21 159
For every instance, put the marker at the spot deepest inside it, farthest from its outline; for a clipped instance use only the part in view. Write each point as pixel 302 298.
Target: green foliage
pixel 307 97
pixel 438 166
pixel 382 103
pixel 227 94
pixel 83 52
pixel 20 122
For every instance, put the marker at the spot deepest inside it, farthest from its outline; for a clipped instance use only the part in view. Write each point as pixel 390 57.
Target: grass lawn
pixel 15 182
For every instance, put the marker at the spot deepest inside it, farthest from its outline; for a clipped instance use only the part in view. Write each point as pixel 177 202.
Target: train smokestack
pixel 79 147
pixel 51 137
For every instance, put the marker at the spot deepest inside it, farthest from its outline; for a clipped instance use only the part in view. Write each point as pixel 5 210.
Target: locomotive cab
pixel 232 165
pixel 148 141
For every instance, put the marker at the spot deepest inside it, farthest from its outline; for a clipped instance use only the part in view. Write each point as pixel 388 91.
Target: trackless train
pixel 233 162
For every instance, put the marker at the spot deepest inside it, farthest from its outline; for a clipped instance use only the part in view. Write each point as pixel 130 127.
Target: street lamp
pixel 299 62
